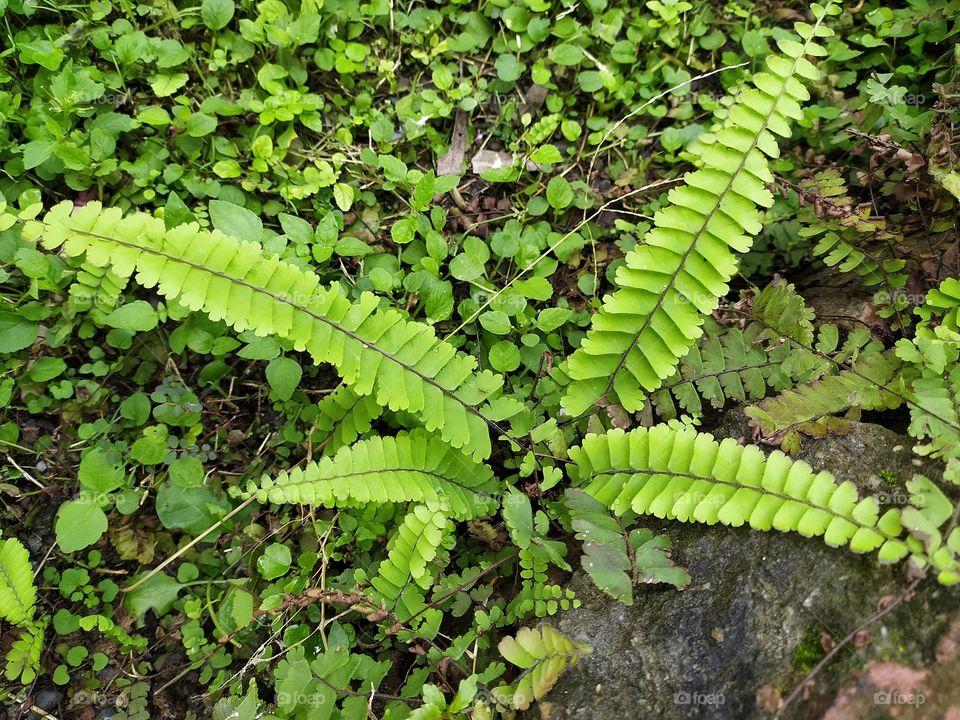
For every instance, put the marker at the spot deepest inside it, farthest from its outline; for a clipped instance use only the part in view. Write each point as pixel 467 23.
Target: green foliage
pixel 688 476
pixel 343 416
pixel 414 467
pixel 23 657
pixel 257 367
pixel 935 353
pixel 405 574
pixel 18 594
pixel 868 384
pixel 18 597
pixel 376 352
pixel 726 364
pixel 685 262
pixel 851 240
pixel 542 655
pixel 617 560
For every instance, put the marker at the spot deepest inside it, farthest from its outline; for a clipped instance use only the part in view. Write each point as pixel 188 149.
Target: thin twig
pixel 846 641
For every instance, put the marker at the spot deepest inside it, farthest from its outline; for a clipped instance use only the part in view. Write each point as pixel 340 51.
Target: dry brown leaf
pixel 451 162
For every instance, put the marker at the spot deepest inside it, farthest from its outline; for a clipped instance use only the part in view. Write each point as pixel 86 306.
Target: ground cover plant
pixel 335 336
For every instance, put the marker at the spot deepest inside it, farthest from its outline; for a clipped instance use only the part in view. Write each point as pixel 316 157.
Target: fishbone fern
pixel 935 352
pixel 734 363
pixel 684 264
pixel 404 576
pixel 411 467
pixel 808 408
pixel 846 235
pixel 542 655
pixel 18 594
pixel 727 364
pixel 96 290
pixel 401 362
pixel 926 383
pixel 684 475
pixel 18 597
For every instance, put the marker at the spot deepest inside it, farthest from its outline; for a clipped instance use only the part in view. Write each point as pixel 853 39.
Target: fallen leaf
pixel 490 160
pixel 769 699
pixel 451 162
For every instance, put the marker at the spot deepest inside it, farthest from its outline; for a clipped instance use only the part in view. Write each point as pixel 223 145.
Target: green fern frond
pixel 684 475
pixel 933 405
pixel 404 576
pixel 926 518
pixel 343 417
pixel 23 657
pixel 18 594
pixel 845 233
pixel 114 632
pixel 808 408
pixel 411 467
pixel 542 655
pixel 537 594
pixel 935 410
pixel 401 362
pixel 615 559
pixel 939 419
pixel 734 363
pixel 536 554
pixel 726 364
pixel 783 312
pixel 684 264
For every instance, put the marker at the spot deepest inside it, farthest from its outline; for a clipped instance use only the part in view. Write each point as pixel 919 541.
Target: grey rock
pixel 755 598
pixel 46 700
